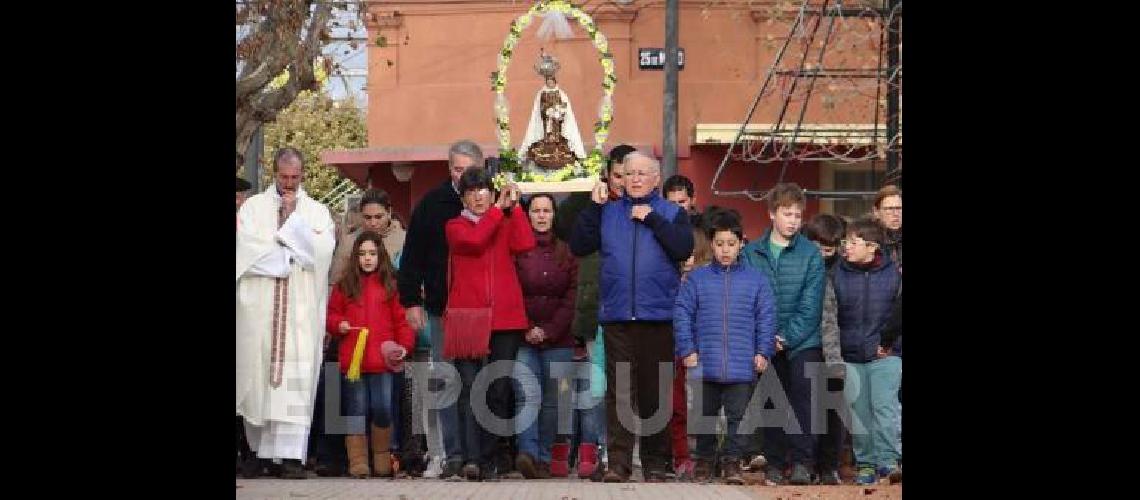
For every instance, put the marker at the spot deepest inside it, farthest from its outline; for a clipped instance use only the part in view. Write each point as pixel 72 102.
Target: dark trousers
pixel 327 445
pixel 244 452
pixel 410 446
pixel 480 445
pixel 793 375
pixel 734 398
pixel 645 345
pixel 830 444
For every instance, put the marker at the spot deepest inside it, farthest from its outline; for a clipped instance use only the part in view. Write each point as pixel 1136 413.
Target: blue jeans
pixel 371 394
pixel 591 413
pixel 536 436
pixel 872 391
pixel 447 417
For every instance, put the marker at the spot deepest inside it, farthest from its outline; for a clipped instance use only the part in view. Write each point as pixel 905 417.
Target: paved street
pixel 555 489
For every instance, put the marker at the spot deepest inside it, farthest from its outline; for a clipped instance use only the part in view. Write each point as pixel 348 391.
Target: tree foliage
pixel 314 122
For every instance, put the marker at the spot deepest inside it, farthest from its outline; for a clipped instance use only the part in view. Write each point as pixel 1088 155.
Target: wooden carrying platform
pixel 570 186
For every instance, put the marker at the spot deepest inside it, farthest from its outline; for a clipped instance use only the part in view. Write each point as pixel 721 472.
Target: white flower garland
pixel 593 163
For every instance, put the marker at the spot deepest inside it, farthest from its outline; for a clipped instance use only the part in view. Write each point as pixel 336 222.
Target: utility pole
pixel 669 117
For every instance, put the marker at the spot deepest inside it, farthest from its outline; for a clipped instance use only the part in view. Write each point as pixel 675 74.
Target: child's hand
pixel 761 362
pixel 690 361
pixel 344 327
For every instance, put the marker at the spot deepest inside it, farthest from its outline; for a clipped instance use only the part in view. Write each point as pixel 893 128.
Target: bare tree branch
pixel 274 45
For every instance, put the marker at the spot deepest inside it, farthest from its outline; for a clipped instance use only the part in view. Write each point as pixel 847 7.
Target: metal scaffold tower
pixel 840 65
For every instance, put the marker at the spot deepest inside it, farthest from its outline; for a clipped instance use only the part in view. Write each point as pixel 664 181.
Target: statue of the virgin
pixel 552 140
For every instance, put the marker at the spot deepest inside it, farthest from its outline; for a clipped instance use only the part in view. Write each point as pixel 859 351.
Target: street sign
pixel 654 58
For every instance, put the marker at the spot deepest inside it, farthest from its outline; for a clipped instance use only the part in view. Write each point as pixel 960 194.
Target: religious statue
pixel 552 140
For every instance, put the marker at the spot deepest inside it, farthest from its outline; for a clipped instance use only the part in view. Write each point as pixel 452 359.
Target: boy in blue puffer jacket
pixel 724 323
pixel 866 285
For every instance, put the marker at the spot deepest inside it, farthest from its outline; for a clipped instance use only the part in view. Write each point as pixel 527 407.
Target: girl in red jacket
pixel 480 243
pixel 366 298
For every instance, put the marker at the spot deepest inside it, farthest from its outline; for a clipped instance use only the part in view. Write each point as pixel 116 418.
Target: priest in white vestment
pixel 285 242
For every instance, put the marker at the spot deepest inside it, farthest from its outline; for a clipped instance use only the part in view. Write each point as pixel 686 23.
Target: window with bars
pixel 854 180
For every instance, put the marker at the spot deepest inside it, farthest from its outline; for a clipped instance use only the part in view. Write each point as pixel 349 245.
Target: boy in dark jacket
pixel 724 323
pixel 826 231
pixel 867 283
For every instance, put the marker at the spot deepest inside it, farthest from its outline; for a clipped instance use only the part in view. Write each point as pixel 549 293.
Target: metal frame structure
pixel 780 139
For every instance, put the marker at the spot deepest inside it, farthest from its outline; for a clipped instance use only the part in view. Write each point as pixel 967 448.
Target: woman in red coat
pixel 481 242
pixel 366 298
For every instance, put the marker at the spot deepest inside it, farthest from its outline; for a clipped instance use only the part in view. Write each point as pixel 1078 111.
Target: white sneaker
pixel 434 468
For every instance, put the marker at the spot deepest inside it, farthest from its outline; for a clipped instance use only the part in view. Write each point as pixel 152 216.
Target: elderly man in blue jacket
pixel 795 269
pixel 641 239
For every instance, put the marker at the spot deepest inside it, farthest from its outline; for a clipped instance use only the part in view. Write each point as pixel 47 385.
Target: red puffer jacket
pixel 375 309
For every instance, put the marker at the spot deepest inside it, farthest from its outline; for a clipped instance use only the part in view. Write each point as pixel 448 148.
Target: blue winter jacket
pixel 639 260
pixel 797 279
pixel 727 315
pixel 866 299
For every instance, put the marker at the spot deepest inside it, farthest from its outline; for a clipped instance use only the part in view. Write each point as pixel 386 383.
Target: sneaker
pixel 800 475
pixel 829 477
pixel 434 468
pixel 895 476
pixel 866 476
pixel 757 463
pixel 489 473
pixel 775 475
pixel 471 472
pixel 684 469
pixel 452 471
pixel 884 471
pixel 655 475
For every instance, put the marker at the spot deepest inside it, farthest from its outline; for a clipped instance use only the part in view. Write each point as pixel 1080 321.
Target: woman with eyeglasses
pixel 482 241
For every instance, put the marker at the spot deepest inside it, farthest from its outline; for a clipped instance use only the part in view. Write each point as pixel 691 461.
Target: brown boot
pixel 357 447
pixel 381 455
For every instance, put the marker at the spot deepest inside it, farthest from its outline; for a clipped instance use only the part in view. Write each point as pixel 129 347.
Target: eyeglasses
pixel 844 242
pixel 478 193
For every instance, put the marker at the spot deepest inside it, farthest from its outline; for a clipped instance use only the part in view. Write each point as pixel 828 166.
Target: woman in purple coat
pixel 549 278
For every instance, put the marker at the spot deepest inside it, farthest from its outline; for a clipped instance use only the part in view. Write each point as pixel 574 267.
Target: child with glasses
pixel 866 285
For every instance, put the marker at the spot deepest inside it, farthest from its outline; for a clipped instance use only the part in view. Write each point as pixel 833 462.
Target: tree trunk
pixel 255 103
